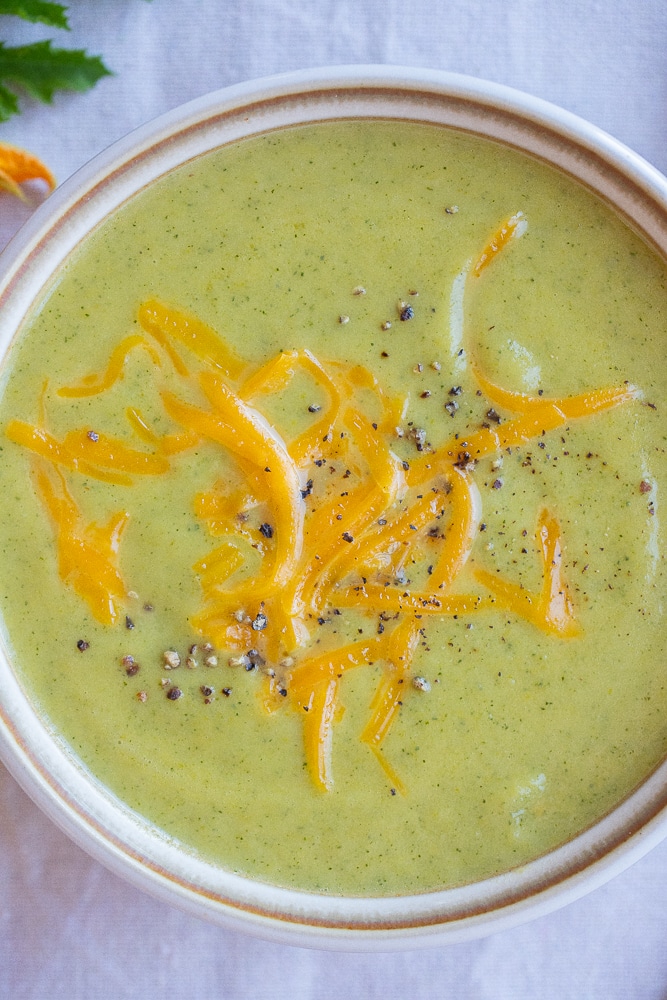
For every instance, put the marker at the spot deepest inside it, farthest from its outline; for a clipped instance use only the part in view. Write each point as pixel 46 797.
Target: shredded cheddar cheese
pixel 87 554
pixel 319 550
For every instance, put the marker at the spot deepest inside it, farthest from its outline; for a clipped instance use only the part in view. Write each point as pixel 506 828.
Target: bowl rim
pixel 50 773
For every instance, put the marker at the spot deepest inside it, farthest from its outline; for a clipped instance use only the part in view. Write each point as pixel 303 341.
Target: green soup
pixel 533 693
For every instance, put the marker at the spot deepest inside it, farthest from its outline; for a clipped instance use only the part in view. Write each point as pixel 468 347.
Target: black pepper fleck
pixel 255 659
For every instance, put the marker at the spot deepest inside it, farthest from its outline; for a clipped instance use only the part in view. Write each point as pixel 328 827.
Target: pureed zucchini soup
pixel 331 536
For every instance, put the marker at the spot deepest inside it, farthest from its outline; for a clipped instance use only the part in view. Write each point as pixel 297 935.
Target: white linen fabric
pixel 68 928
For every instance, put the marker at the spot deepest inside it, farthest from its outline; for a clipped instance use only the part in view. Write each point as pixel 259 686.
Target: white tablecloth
pixel 69 929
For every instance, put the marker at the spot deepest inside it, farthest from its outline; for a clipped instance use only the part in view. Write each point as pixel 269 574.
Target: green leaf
pixel 53 14
pixel 40 70
pixel 8 104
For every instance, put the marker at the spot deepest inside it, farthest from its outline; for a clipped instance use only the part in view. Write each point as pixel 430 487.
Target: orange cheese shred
pixel 352 377
pixel 111 462
pixel 165 323
pixel 489 440
pixel 465 508
pixel 92 385
pixel 385 468
pixel 515 226
pixel 391 692
pixel 583 405
pixel 248 436
pixel 313 690
pixel 167 444
pixel 386 544
pixel 97 449
pixel 551 609
pixel 329 666
pixel 87 555
pixel 275 376
pixel 324 541
pixel 216 567
pixel 221 506
pixel 376 597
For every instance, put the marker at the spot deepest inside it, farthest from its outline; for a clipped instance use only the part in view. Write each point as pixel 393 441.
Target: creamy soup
pixel 331 544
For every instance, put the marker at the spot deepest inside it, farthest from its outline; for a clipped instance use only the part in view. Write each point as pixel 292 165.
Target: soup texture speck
pixel 332 466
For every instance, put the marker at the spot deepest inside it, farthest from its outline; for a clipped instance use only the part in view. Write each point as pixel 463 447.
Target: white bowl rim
pixel 50 773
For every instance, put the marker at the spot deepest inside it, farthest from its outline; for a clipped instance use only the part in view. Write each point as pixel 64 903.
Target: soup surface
pixel 331 542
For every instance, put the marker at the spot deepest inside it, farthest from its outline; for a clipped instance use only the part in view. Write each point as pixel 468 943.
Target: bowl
pixel 48 767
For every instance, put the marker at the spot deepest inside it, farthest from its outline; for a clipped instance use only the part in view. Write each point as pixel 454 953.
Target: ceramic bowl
pixel 51 774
